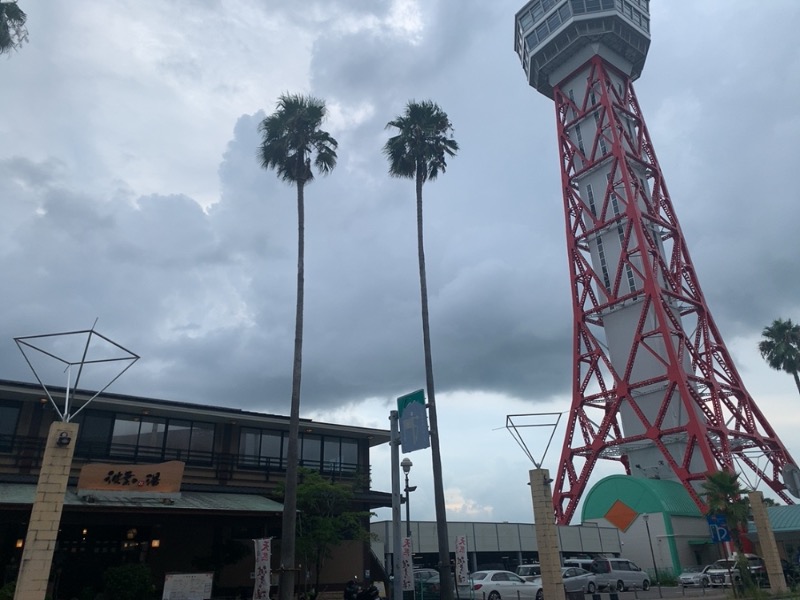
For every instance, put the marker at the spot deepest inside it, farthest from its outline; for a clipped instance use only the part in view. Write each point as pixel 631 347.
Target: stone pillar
pixel 546 533
pixel 769 547
pixel 40 541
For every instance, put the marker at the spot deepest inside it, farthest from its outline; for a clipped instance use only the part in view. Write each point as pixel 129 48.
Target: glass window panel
pixel 94 433
pixel 271 448
pixel 531 40
pixel 203 438
pixel 126 430
pixel 312 449
pixel 349 455
pixel 330 451
pixel 541 31
pixel 151 432
pixel 9 416
pixel 179 435
pixel 526 20
pixel 249 446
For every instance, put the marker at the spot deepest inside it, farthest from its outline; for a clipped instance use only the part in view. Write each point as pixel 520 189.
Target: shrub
pixel 129 582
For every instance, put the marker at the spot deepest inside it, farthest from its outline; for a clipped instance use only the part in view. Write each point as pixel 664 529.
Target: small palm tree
pixel 725 496
pixel 292 135
pixel 419 151
pixel 781 347
pixel 12 27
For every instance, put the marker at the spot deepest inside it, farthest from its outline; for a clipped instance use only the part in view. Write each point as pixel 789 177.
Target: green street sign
pixel 413 420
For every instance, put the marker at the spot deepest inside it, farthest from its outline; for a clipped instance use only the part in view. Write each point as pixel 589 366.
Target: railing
pixel 23 455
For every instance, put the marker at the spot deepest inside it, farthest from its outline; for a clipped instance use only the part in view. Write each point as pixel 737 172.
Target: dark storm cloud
pixel 207 296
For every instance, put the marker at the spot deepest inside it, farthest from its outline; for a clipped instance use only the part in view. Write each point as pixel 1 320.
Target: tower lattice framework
pixel 646 350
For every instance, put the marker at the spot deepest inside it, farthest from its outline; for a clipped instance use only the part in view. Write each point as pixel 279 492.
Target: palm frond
pixel 13 32
pixel 292 135
pixel 422 143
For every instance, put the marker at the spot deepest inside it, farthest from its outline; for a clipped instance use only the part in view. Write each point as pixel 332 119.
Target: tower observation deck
pixel 653 385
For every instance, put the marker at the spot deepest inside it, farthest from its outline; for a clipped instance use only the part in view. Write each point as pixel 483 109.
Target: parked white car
pixel 496 585
pixel 722 570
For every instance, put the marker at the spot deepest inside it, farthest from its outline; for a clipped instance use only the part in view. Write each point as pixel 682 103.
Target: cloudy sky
pixel 131 195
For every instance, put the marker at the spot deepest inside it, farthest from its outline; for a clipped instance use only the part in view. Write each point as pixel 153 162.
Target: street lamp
pixel 652 554
pixel 407 464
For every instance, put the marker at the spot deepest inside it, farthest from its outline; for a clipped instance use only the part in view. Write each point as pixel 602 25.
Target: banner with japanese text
pixel 462 563
pixel 406 564
pixel 263 549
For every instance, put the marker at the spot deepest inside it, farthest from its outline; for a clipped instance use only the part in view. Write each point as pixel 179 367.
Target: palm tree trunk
pixel 445 578
pixel 289 525
pixel 796 380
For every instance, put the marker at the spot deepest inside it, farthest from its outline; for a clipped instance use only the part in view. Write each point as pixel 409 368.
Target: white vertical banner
pixel 263 549
pixel 406 565
pixel 462 564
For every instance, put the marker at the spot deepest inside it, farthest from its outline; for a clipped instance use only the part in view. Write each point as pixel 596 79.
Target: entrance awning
pixel 23 494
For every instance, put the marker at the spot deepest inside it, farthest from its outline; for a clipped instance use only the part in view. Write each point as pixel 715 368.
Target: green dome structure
pixel 651 511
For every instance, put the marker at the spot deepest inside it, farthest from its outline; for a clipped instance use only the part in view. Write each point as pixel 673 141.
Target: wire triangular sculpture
pixel 514 430
pixel 83 354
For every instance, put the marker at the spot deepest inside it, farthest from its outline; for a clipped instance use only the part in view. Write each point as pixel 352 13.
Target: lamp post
pixel 407 464
pixel 652 554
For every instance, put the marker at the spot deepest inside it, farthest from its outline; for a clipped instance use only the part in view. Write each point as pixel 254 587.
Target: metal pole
pixel 408 509
pixel 397 579
pixel 652 554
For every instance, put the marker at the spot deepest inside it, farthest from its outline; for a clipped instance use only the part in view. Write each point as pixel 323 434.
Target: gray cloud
pixel 131 193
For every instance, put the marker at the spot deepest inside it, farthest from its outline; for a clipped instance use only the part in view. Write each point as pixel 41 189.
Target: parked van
pixel 529 572
pixel 619 574
pixel 581 563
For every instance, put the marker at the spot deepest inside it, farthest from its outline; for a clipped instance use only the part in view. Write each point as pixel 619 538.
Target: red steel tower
pixel 653 386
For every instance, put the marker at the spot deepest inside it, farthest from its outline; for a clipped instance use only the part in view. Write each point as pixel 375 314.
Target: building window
pixel 144 439
pixel 9 417
pixel 311 454
pixel 262 448
pixel 590 197
pixel 603 147
pixel 579 138
pixel 601 254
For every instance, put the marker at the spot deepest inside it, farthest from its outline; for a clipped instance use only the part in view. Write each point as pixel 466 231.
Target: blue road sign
pixel 719 528
pixel 413 420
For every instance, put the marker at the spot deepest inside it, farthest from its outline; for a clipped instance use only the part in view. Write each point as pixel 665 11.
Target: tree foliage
pixel 129 582
pixel 326 518
pixel 13 32
pixel 780 347
pixel 292 135
pixel 422 144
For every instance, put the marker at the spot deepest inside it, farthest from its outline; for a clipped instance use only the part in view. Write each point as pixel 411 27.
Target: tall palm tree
pixel 12 27
pixel 292 135
pixel 419 152
pixel 781 347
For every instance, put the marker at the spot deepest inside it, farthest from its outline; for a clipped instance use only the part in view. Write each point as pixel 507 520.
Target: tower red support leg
pixel 651 374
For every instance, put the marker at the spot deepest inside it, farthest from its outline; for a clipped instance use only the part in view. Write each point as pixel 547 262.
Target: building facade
pixel 180 487
pixel 496 545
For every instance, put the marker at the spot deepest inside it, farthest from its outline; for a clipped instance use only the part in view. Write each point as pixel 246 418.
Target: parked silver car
pixel 695 576
pixel 575 580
